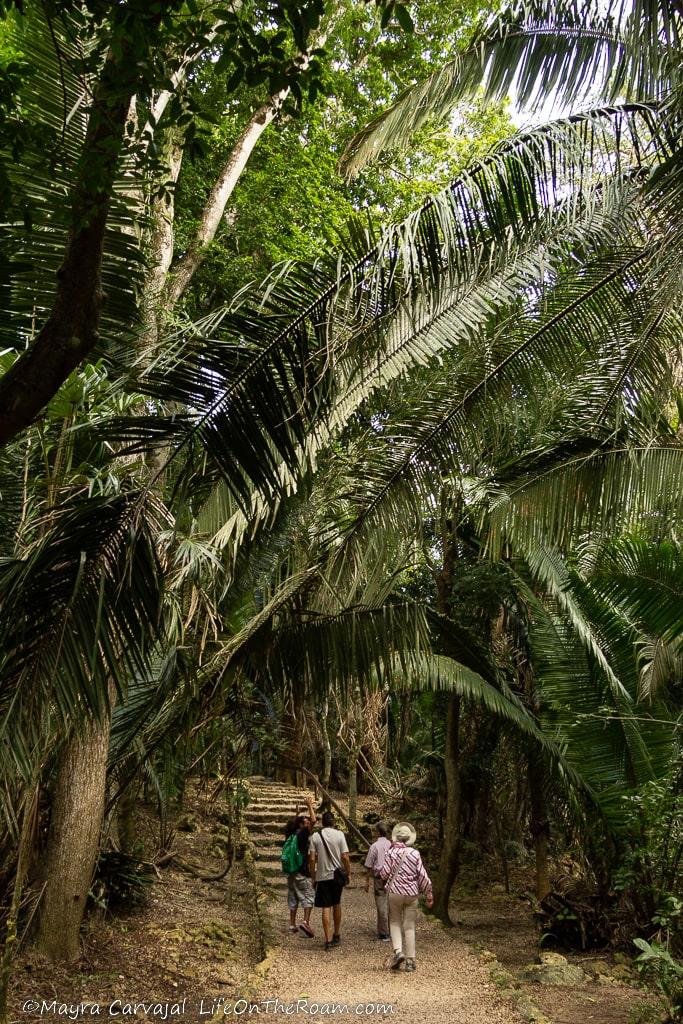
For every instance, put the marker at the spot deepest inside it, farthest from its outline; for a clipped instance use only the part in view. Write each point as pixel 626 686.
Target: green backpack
pixel 291 857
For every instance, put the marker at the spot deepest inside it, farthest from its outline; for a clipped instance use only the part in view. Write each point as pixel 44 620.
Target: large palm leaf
pixel 80 614
pixel 266 386
pixel 54 100
pixel 567 52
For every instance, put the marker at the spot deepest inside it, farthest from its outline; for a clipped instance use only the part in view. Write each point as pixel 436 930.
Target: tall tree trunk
pixel 286 771
pixel 540 827
pixel 160 250
pixel 356 724
pixel 77 813
pixel 450 851
pixel 70 332
pixel 403 723
pixel 187 265
pixel 353 787
pixel 327 746
pixel 125 807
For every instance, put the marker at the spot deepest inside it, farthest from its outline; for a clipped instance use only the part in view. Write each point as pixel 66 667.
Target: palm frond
pixel 54 101
pixel 79 613
pixel 263 394
pixel 571 51
pixel 646 581
pixel 606 491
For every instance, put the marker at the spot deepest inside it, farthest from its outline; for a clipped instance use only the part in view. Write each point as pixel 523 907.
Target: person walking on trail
pixel 374 862
pixel 330 866
pixel 405 878
pixel 295 863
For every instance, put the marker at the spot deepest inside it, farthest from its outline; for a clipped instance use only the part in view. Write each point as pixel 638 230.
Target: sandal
pixel 307 930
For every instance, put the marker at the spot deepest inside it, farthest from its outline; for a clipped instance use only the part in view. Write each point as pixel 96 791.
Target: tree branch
pixel 187 265
pixel 71 331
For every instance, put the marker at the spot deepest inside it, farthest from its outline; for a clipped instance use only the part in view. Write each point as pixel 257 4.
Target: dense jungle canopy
pixel 340 429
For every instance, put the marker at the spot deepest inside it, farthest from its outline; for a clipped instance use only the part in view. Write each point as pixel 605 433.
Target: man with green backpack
pixel 294 860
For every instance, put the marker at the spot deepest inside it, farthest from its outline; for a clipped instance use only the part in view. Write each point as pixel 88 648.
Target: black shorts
pixel 328 893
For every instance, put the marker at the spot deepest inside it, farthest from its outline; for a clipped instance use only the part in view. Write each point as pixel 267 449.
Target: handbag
pixel 340 877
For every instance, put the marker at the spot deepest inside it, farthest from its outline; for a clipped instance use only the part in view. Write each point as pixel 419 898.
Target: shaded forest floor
pixel 491 921
pixel 200 942
pixel 192 940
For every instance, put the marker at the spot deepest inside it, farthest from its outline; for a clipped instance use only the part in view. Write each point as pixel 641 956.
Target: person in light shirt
pixel 374 862
pixel 328 852
pixel 405 878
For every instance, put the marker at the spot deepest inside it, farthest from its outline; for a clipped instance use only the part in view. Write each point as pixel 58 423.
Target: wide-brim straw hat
pixel 403 827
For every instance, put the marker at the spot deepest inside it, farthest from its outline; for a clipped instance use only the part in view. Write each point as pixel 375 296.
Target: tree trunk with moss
pixel 77 813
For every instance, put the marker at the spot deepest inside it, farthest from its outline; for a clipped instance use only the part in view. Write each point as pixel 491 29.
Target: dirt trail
pixel 450 984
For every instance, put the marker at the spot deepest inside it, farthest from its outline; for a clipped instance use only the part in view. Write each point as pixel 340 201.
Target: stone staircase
pixel 272 805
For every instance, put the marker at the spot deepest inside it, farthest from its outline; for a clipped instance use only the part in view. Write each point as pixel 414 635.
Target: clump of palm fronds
pixel 121 882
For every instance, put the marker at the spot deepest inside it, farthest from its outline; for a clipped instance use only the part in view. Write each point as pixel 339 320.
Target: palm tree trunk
pixel 450 852
pixel 77 813
pixel 540 827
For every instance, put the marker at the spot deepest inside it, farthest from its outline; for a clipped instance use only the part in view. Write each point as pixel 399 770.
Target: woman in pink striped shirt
pixel 405 878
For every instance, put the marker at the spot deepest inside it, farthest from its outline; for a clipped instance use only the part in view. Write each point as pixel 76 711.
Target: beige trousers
pixel 402 913
pixel 382 908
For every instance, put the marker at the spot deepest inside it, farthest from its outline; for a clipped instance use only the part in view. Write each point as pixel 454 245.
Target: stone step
pixel 274 826
pixel 287 807
pixel 278 884
pixel 278 801
pixel 273 810
pixel 281 791
pixel 270 851
pixel 270 867
pixel 279 810
pixel 280 798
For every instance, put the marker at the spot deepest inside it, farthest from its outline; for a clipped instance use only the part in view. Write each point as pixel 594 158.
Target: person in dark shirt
pixel 300 890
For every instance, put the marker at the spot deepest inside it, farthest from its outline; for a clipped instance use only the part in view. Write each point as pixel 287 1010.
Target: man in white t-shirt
pixel 327 851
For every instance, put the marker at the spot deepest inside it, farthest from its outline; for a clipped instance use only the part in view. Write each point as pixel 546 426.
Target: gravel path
pixel 450 984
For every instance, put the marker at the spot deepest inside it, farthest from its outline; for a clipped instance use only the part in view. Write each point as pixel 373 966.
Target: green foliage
pixel 651 862
pixel 665 974
pixel 292 202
